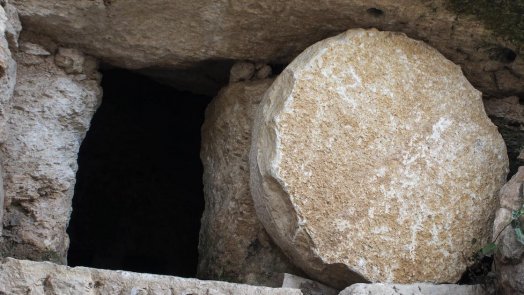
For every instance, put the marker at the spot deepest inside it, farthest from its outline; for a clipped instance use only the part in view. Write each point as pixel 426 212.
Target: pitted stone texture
pixel 414 289
pixel 28 277
pixel 182 34
pixel 509 257
pixel 233 244
pixel 373 158
pixel 50 115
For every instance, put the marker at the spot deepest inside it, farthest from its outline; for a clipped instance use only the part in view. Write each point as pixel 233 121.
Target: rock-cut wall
pixel 56 93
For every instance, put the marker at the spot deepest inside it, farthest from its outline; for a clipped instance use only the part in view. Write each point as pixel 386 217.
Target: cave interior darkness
pixel 139 197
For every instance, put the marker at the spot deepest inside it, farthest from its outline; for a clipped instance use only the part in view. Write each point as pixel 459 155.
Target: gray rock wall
pixel 49 117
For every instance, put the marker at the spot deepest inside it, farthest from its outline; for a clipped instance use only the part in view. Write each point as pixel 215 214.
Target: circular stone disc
pixel 373 159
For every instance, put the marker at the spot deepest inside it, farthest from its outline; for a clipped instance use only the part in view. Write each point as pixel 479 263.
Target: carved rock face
pixel 373 159
pixel 233 244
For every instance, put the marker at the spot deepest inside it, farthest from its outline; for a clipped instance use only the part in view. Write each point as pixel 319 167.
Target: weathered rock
pixel 414 289
pixel 508 114
pixel 49 118
pixel 233 243
pixel 28 277
pixel 9 29
pixel 167 34
pixel 372 158
pixel 241 71
pixel 308 287
pixel 509 257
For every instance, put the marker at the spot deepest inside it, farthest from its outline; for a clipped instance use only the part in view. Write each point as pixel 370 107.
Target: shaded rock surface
pixel 233 244
pixel 28 277
pixel 508 114
pixel 509 257
pixel 183 34
pixel 414 289
pixel 50 114
pixel 373 158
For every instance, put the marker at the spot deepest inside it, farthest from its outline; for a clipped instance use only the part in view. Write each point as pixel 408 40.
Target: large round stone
pixel 373 159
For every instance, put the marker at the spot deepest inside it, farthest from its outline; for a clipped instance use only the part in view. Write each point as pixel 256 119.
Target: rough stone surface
pixel 241 71
pixel 308 287
pixel 372 158
pixel 414 289
pixel 508 114
pixel 27 277
pixel 509 257
pixel 233 243
pixel 51 111
pixel 182 34
pixel 9 29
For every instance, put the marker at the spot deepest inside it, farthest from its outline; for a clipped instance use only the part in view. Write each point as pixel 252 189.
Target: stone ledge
pixel 29 277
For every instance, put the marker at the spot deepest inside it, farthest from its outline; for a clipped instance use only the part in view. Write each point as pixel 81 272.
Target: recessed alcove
pixel 138 197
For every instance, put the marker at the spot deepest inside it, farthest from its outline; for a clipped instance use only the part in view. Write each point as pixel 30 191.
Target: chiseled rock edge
pixel 50 114
pixel 414 289
pixel 24 277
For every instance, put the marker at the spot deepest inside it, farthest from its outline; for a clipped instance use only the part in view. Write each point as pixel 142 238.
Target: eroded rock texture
pixel 9 30
pixel 51 111
pixel 509 257
pixel 233 244
pixel 184 34
pixel 28 277
pixel 373 158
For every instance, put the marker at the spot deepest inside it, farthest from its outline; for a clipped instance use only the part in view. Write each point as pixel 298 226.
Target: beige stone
pixel 49 118
pixel 307 286
pixel 233 243
pixel 182 34
pixel 414 289
pixel 372 158
pixel 241 71
pixel 28 277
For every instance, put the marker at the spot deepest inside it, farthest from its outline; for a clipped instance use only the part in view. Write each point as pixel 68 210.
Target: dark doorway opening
pixel 138 196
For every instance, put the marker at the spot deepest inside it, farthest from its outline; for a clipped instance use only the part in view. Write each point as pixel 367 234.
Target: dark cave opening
pixel 138 197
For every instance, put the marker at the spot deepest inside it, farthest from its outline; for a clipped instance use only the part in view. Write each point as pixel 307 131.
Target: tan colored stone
pixel 307 286
pixel 182 34
pixel 373 158
pixel 28 277
pixel 233 244
pixel 414 289
pixel 49 118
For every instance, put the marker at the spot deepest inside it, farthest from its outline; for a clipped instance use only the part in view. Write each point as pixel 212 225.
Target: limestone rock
pixel 373 159
pixel 509 257
pixel 233 243
pixel 241 71
pixel 8 40
pixel 28 277
pixel 414 289
pixel 307 286
pixel 183 34
pixel 50 115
